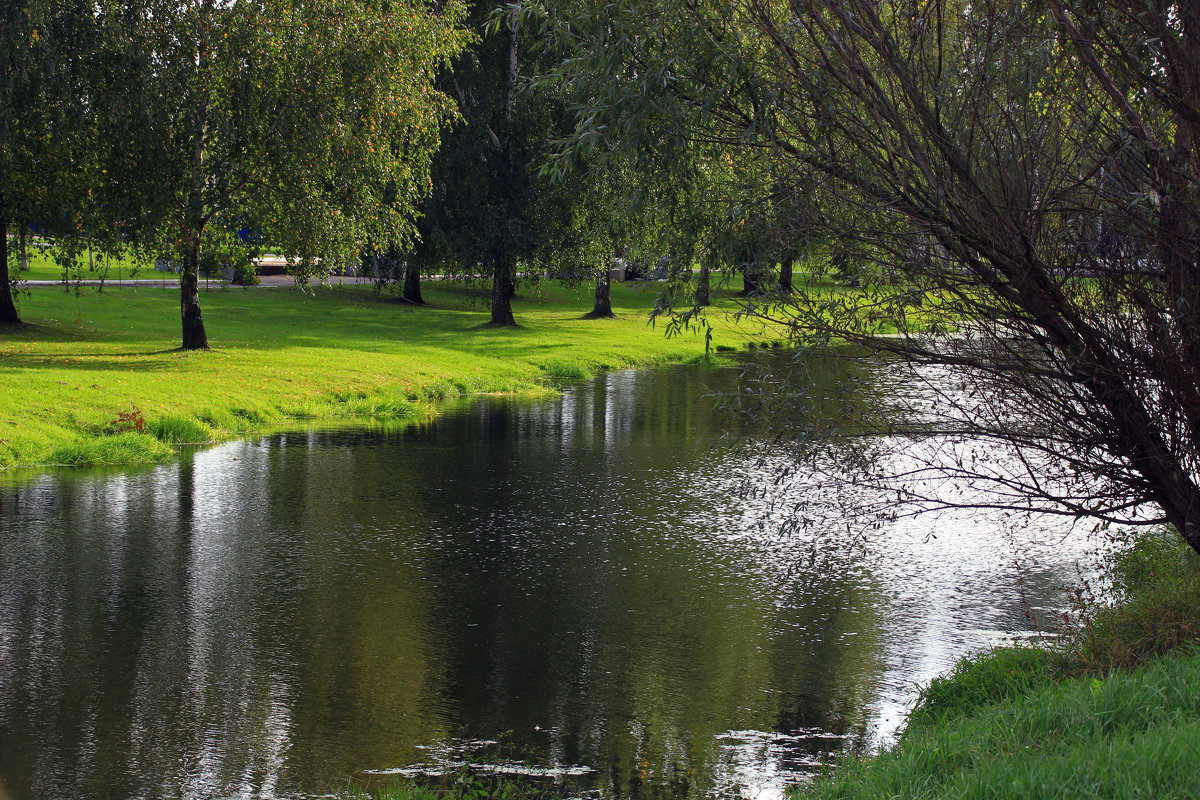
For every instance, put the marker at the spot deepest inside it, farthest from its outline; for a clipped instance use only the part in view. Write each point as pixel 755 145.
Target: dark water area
pixel 574 589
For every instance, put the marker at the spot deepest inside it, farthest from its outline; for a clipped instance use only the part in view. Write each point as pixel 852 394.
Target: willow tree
pixel 308 125
pixel 44 138
pixel 1026 174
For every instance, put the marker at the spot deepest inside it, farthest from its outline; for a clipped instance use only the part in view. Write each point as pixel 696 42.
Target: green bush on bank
pixel 1111 712
pixel 1156 584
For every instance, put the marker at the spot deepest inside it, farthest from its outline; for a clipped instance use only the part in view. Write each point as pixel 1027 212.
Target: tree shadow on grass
pixel 140 362
pixel 39 333
pixel 491 326
pixel 19 327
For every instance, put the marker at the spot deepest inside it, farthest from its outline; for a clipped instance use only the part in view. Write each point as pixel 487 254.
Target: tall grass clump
pixel 121 448
pixel 986 679
pixel 375 406
pixel 176 429
pixel 566 370
pixel 378 406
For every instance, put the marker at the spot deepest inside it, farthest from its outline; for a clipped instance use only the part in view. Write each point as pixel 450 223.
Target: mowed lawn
pixel 84 359
pixel 44 267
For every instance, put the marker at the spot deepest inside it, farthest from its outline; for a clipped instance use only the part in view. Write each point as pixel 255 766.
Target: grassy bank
pixel 97 377
pixel 1112 712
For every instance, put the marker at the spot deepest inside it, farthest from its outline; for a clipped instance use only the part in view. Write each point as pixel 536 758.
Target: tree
pixel 603 231
pixel 491 211
pixel 1025 174
pixel 309 124
pixel 44 139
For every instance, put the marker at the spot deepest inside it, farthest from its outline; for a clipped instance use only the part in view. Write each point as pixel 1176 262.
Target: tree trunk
pixel 510 101
pixel 412 284
pixel 192 221
pixel 602 307
pixel 503 268
pixel 785 273
pixel 8 308
pixel 502 293
pixel 194 336
pixel 750 280
pixel 1183 510
pixel 702 286
pixel 1191 531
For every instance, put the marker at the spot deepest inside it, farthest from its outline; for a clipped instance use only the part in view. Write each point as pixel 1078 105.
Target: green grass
pixel 1112 713
pixel 1126 735
pixel 988 679
pixel 285 356
pixel 1157 585
pixel 44 267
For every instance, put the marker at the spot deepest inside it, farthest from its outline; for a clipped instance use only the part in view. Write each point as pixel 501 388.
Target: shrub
pixel 1155 584
pixel 127 421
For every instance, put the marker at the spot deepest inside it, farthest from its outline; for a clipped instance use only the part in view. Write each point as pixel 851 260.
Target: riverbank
pixel 1111 712
pixel 96 377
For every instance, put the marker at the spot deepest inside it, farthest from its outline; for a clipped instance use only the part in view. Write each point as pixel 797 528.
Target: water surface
pixel 575 588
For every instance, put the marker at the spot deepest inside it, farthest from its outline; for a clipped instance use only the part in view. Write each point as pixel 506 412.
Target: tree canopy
pixel 492 210
pixel 45 141
pixel 307 126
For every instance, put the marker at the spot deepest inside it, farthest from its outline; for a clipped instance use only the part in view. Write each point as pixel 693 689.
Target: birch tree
pixel 308 123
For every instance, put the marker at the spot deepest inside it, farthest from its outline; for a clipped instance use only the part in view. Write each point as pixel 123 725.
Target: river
pixel 573 588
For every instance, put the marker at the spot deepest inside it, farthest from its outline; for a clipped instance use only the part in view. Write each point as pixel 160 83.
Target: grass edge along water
pixel 96 378
pixel 1112 710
